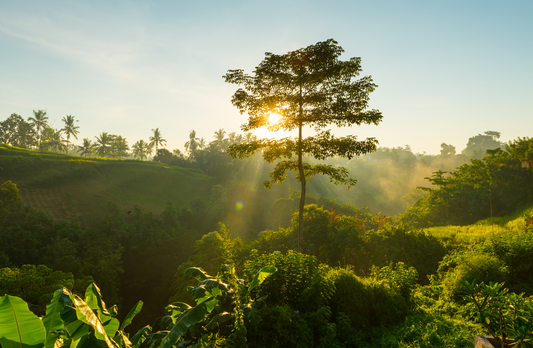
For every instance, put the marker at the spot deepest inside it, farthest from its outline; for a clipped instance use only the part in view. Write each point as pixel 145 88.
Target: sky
pixel 446 70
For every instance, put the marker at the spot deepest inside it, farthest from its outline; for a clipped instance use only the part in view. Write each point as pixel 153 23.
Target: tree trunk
pixel 302 181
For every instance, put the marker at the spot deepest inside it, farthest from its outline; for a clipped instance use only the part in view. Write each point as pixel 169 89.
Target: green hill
pixel 76 188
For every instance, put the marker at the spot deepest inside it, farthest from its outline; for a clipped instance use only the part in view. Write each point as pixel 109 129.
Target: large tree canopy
pixel 307 87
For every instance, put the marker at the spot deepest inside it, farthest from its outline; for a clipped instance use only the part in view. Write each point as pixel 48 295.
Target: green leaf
pixel 75 328
pixel 86 315
pixel 259 278
pixel 218 320
pixel 133 312
pixel 19 327
pixel 111 326
pixel 93 298
pixel 197 273
pixel 189 318
pixel 122 340
pixel 52 321
pixel 140 336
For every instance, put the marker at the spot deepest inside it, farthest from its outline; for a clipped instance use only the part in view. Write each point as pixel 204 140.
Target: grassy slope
pixel 483 228
pixel 76 188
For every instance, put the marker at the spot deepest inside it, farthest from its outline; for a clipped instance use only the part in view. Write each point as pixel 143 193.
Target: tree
pixel 17 132
pixel 479 144
pixel 447 150
pixel 40 122
pixel 156 139
pixel 70 128
pixel 103 144
pixel 118 147
pixel 192 144
pixel 87 148
pixel 53 140
pixel 220 142
pixel 307 87
pixel 141 149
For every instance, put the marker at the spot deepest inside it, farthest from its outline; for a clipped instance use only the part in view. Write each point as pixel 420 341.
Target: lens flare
pixel 238 206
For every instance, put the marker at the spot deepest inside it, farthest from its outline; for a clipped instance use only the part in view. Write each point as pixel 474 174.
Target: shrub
pixel 469 266
pixel 281 326
pixel 366 301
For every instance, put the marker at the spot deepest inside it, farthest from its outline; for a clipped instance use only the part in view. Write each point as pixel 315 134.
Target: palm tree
pixel 40 122
pixel 201 143
pixel 118 146
pixel 156 139
pixel 192 144
pixel 141 149
pixel 103 144
pixel 249 137
pixel 70 128
pixel 87 148
pixel 55 142
pixel 219 141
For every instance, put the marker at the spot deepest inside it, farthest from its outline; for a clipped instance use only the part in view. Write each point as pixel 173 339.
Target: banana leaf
pixel 52 320
pixel 259 278
pixel 197 273
pixel 133 312
pixel 19 327
pixel 189 318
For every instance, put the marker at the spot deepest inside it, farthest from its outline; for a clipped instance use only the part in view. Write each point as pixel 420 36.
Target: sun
pixel 273 118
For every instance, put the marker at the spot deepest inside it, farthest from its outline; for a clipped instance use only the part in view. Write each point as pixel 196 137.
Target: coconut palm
pixel 40 122
pixel 119 146
pixel 156 139
pixel 192 144
pixel 141 149
pixel 87 149
pixel 54 141
pixel 70 128
pixel 201 143
pixel 220 142
pixel 249 137
pixel 103 144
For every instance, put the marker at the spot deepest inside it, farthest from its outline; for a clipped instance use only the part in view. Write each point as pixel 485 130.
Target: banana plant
pixel 70 321
pixel 212 314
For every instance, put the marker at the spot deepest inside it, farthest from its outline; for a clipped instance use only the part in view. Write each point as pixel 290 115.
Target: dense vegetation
pixel 366 280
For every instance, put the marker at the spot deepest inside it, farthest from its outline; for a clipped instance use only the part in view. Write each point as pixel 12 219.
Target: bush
pixel 281 326
pixel 469 266
pixel 367 302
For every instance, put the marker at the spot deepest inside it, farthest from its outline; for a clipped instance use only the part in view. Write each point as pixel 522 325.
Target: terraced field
pixel 78 189
pixel 56 202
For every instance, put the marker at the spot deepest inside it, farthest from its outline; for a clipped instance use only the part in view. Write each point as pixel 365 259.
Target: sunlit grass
pixel 482 229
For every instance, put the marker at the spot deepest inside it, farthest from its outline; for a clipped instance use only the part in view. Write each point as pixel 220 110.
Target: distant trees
pixel 156 139
pixel 103 144
pixel 40 123
pixel 447 150
pixel 87 149
pixel 192 145
pixel 492 186
pixel 119 146
pixel 142 149
pixel 479 144
pixel 70 128
pixel 307 87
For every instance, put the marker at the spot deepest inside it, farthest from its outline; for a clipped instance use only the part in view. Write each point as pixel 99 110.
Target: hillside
pixel 483 229
pixel 76 188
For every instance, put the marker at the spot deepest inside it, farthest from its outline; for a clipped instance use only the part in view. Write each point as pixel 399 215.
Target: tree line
pixel 38 134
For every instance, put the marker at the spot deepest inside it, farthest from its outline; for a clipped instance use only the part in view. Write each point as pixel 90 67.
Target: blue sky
pixel 446 70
